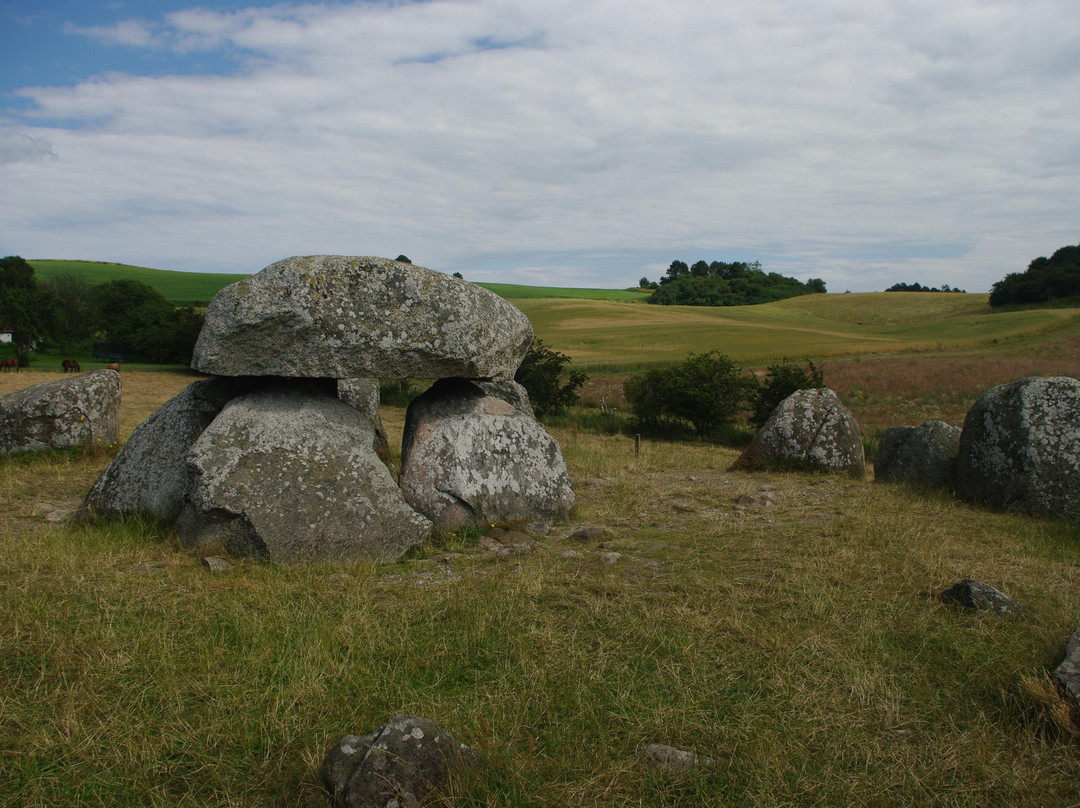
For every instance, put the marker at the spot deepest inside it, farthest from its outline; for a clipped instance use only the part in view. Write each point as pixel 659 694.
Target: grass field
pixel 181 288
pixel 800 645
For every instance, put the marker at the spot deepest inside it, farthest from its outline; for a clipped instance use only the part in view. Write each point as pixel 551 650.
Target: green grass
pixel 800 646
pixel 614 336
pixel 513 291
pixel 181 288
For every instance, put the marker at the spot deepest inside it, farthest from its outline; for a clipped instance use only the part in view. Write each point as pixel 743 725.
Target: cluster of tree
pixel 1044 281
pixel 724 284
pixel 708 390
pixel 918 287
pixel 67 310
pixel 541 373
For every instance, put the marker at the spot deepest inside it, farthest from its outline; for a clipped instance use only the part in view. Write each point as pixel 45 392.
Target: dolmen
pixel 279 453
pixel 82 410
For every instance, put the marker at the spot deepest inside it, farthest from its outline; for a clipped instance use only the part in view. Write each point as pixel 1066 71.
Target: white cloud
pixel 135 33
pixel 464 133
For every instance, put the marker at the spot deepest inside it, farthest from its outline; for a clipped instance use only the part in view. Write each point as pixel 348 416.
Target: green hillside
pixel 181 288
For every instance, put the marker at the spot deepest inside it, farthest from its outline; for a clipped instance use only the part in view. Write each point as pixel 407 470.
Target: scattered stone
pixel 490 545
pixel 769 498
pixel 923 456
pixel 808 429
pixel 571 554
pixel 150 474
pixel 81 410
pixel 676 761
pixel 1020 447
pixel 610 557
pixel 469 458
pixel 591 533
pixel 288 473
pixel 396 766
pixel 746 500
pixel 977 595
pixel 345 317
pixel 1067 675
pixel 216 565
pixel 338 577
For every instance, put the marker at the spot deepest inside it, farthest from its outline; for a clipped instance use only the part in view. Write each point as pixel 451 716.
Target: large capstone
pixel 1020 447
pixel 345 317
pixel 150 475
pixel 920 455
pixel 82 410
pixel 809 429
pixel 289 473
pixel 472 456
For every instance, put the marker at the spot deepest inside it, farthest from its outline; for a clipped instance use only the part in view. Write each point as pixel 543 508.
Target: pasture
pixel 800 645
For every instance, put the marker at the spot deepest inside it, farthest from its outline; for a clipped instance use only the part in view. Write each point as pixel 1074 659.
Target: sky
pixel 557 143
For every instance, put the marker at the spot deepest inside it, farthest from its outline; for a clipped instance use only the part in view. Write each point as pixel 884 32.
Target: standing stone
pixel 923 456
pixel 344 317
pixel 288 473
pixel 363 394
pixel 150 476
pixel 82 410
pixel 1020 447
pixel 470 458
pixel 808 429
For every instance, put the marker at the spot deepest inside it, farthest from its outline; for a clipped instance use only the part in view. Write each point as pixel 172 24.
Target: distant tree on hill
pixel 74 319
pixel 726 284
pixel 918 287
pixel 137 316
pixel 1045 280
pixel 403 259
pixel 26 309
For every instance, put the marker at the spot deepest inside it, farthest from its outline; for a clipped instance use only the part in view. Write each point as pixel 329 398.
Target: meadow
pixel 801 645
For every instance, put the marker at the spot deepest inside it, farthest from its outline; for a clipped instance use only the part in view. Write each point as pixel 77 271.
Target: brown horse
pixel 8 364
pixel 113 366
pixel 72 365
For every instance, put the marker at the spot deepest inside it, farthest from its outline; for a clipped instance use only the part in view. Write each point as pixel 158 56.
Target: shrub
pixel 706 390
pixel 541 374
pixel 782 380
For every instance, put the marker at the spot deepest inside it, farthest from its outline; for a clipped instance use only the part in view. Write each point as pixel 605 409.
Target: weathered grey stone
pixel 1067 675
pixel 348 317
pixel 288 473
pixel 216 565
pixel 923 456
pixel 977 595
pixel 396 766
pixel 363 394
pixel 676 761
pixel 82 410
pixel 808 429
pixel 473 459
pixel 150 476
pixel 1020 447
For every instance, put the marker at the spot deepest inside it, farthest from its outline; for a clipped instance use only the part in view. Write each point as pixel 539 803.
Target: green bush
pixel 705 390
pixel 782 380
pixel 541 374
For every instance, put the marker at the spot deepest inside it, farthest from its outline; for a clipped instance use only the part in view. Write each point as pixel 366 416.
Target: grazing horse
pixel 72 365
pixel 113 366
pixel 8 364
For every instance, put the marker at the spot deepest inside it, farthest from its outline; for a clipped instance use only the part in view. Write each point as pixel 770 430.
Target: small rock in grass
pixel 1067 674
pixel 977 595
pixel 746 500
pixel 489 545
pixel 591 532
pixel 570 554
pixel 676 761
pixel 397 765
pixel 216 565
pixel 610 557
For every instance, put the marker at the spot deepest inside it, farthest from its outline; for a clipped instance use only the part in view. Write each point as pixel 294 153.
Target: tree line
pixel 720 283
pixel 918 287
pixel 1046 280
pixel 67 311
